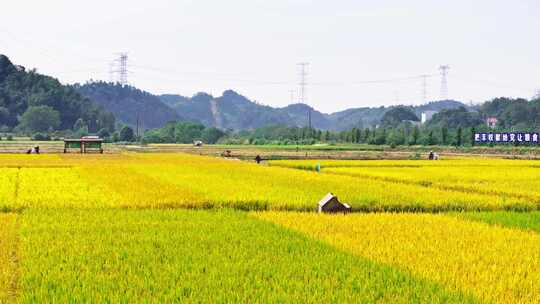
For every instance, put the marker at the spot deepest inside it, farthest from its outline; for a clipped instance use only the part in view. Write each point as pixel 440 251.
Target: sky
pixel 360 53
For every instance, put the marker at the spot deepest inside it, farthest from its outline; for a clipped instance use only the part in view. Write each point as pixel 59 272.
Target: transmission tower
pixel 122 71
pixel 444 81
pixel 303 83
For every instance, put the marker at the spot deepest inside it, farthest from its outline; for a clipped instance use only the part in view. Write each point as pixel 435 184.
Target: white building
pixel 427 115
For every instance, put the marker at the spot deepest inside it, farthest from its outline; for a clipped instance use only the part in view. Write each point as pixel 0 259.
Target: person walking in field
pixel 431 155
pixel 258 159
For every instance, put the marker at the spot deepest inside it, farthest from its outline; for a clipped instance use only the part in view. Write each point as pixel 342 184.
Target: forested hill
pixel 234 111
pixel 128 103
pixel 58 106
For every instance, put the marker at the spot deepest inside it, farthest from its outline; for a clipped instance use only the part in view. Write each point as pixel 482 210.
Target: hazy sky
pixel 493 47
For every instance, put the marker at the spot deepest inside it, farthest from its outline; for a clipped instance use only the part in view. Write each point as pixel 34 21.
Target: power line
pixel 444 81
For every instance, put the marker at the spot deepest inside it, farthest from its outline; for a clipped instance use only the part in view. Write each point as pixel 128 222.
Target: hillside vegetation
pixel 26 96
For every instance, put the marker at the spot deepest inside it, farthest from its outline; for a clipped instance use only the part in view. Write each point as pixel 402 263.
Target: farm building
pixel 84 145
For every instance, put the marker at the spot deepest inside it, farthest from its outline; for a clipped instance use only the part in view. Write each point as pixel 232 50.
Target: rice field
pixel 164 227
pixel 494 264
pixel 167 256
pixel 187 181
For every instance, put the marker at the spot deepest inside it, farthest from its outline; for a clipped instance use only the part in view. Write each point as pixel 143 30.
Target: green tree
pixel 396 137
pixel 444 135
pixel 127 134
pixel 103 133
pixel 415 135
pixel 211 135
pixel 459 137
pixel 397 115
pixel 454 118
pixel 430 138
pixel 40 119
pixel 327 136
pixel 367 135
pixel 358 136
pixel 380 136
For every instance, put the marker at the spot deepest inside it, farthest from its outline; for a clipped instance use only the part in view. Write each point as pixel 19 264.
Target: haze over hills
pixel 234 111
pixel 230 110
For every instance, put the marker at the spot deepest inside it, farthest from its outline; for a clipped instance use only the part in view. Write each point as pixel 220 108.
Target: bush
pixel 103 133
pixel 127 134
pixel 41 137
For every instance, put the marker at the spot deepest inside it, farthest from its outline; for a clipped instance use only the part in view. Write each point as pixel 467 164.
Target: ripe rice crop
pixel 247 186
pixel 495 264
pixel 88 229
pixel 506 178
pixel 58 187
pixel 164 256
pixel 8 249
pixel 521 220
pixel 446 162
pixel 188 181
pixel 29 160
pixel 8 177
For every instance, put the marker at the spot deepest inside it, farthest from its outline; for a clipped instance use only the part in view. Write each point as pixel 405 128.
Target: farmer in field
pixel 258 159
pixel 431 155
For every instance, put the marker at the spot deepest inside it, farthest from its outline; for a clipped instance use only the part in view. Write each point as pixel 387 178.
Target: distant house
pixel 492 122
pixel 427 115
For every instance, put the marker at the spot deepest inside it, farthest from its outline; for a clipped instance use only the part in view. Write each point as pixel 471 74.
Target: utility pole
pixel 444 81
pixel 303 84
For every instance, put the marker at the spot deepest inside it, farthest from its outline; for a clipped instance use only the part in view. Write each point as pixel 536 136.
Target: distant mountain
pixel 438 106
pixel 229 111
pixel 298 113
pixel 21 89
pixel 171 99
pixel 357 117
pixel 129 104
pixel 234 111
